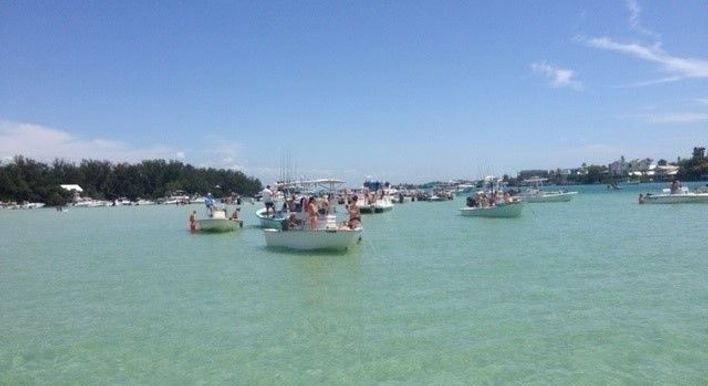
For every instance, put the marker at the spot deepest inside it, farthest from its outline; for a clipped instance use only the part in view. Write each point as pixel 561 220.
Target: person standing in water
pixel 193 221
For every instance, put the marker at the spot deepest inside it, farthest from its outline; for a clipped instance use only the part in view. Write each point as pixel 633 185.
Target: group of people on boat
pixel 307 212
pixel 487 199
pixel 211 207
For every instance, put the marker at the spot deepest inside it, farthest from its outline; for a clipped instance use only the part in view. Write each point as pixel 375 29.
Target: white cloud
pixel 677 67
pixel 557 77
pixel 635 11
pixel 44 143
pixel 703 101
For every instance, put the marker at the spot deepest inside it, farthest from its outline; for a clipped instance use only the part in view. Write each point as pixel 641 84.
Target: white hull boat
pixel 537 194
pixel 502 210
pixel 272 221
pixel 542 196
pixel 318 239
pixel 677 198
pixel 217 223
pixel 380 205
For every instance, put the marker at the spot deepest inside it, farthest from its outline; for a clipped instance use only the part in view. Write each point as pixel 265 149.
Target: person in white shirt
pixel 268 199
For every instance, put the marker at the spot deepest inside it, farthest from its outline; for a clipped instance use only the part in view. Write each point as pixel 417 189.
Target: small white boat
pixel 375 205
pixel 547 196
pixel 218 223
pixel 375 198
pixel 317 239
pixel 32 205
pixel 500 210
pixel 536 194
pixel 91 203
pixel 683 196
pixel 274 220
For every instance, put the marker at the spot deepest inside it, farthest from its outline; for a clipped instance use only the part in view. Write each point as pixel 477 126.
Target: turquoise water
pixel 596 291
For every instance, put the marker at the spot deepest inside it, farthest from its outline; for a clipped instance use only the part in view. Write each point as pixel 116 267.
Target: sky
pixel 403 91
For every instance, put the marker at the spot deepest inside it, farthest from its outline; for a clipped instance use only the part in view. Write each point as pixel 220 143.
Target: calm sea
pixel 600 290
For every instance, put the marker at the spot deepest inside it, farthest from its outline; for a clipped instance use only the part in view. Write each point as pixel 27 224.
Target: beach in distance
pixel 594 291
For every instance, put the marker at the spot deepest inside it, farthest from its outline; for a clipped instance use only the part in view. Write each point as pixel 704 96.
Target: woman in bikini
pixel 354 214
pixel 312 213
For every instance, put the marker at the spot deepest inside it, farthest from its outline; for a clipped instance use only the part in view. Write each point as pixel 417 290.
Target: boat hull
pixel 269 222
pixel 497 211
pixel 689 198
pixel 375 208
pixel 217 225
pixel 306 240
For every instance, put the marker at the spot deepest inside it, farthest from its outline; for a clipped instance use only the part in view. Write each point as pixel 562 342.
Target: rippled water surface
pixel 599 290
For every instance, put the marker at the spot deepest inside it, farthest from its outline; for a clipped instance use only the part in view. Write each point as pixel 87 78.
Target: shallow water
pixel 599 290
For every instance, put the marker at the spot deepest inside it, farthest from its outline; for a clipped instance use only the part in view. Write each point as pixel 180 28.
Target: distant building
pixel 526 174
pixel 635 167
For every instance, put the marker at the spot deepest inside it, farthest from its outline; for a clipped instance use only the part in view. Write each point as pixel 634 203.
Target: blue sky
pixel 403 91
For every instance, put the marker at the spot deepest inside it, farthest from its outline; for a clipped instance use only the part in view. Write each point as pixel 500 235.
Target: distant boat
pixel 683 196
pixel 375 198
pixel 501 210
pixel 217 222
pixel 33 205
pixel 376 204
pixel 535 194
pixel 91 203
pixel 492 202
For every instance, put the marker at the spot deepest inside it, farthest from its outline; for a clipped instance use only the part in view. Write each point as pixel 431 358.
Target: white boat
pixel 32 205
pixel 218 222
pixel 683 196
pixel 91 203
pixel 375 197
pixel 492 202
pixel 501 210
pixel 377 204
pixel 336 238
pixel 536 194
pixel 547 196
pixel 274 220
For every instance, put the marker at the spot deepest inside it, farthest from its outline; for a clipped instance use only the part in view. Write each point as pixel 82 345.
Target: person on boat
pixel 507 198
pixel 323 207
pixel 210 205
pixel 354 214
pixel 675 187
pixel 641 198
pixel 292 205
pixel 291 222
pixel 471 202
pixel 193 221
pixel 312 213
pixel 267 195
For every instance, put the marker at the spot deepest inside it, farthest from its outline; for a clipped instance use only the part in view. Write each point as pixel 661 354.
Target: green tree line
pixel 24 179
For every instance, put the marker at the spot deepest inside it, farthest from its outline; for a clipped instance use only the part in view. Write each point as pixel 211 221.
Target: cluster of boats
pixel 493 201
